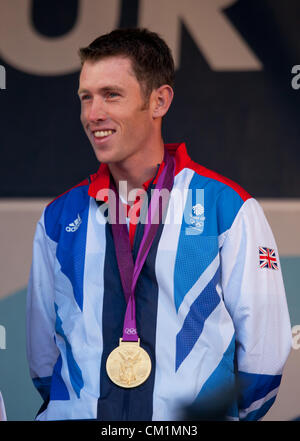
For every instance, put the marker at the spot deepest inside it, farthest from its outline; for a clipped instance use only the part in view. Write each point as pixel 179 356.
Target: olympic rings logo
pixel 130 331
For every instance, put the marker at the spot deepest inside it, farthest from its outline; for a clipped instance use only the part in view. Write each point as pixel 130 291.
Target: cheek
pixel 83 116
pixel 85 109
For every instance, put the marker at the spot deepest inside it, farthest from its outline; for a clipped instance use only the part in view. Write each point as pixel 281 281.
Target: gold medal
pixel 128 365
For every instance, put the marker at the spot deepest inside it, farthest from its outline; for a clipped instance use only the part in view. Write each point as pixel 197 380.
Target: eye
pixel 112 95
pixel 85 97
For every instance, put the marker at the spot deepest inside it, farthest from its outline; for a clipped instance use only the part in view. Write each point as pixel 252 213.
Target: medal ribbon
pixel 129 271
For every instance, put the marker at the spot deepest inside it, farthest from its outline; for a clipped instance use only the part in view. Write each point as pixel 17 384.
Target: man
pixel 134 324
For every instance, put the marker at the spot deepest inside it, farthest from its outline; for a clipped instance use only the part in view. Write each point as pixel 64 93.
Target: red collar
pixel 100 179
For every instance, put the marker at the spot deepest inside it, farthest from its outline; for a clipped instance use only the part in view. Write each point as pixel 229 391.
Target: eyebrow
pixel 103 89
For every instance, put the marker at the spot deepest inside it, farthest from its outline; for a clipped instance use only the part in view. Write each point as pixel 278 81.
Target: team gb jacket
pixel 210 303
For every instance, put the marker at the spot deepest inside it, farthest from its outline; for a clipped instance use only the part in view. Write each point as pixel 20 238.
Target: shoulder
pixel 219 181
pixel 71 191
pixel 223 197
pixel 66 208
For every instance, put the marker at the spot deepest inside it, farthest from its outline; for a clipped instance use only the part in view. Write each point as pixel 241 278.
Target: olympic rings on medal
pixel 130 331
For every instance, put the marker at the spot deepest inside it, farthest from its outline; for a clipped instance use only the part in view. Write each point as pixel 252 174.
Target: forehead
pixel 115 70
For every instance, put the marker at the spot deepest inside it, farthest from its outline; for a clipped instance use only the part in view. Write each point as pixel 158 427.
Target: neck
pixel 136 170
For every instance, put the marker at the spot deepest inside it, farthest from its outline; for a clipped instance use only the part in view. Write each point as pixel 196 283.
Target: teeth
pixel 102 133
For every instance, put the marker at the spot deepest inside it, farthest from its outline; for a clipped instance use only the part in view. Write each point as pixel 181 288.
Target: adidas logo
pixel 73 226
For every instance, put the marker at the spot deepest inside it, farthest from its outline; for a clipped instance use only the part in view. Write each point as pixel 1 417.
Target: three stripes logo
pixel 73 226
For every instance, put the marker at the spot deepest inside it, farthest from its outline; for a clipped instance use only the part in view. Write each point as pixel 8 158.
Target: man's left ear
pixel 162 98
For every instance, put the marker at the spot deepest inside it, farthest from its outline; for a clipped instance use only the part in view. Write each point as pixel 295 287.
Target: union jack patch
pixel 267 258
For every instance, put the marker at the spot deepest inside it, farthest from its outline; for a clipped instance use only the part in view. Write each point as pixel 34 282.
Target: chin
pixel 106 158
pixel 102 155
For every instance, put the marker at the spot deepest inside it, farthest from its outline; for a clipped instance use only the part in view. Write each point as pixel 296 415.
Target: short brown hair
pixel 151 58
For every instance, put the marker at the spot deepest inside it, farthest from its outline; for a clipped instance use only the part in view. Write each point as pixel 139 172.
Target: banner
pixel 236 95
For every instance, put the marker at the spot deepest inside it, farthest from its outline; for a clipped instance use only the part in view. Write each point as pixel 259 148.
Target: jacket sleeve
pixel 255 299
pixel 41 349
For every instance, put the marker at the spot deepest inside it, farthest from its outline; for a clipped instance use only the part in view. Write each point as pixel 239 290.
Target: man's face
pixel 114 114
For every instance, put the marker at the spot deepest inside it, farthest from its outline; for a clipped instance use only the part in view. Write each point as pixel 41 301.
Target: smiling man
pixel 135 320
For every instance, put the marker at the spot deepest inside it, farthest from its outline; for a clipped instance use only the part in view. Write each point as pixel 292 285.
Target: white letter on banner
pixel 27 50
pixel 217 39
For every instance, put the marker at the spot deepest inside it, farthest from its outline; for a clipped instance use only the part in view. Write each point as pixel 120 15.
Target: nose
pixel 96 112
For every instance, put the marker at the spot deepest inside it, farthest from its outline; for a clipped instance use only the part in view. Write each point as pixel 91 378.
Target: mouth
pixel 100 136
